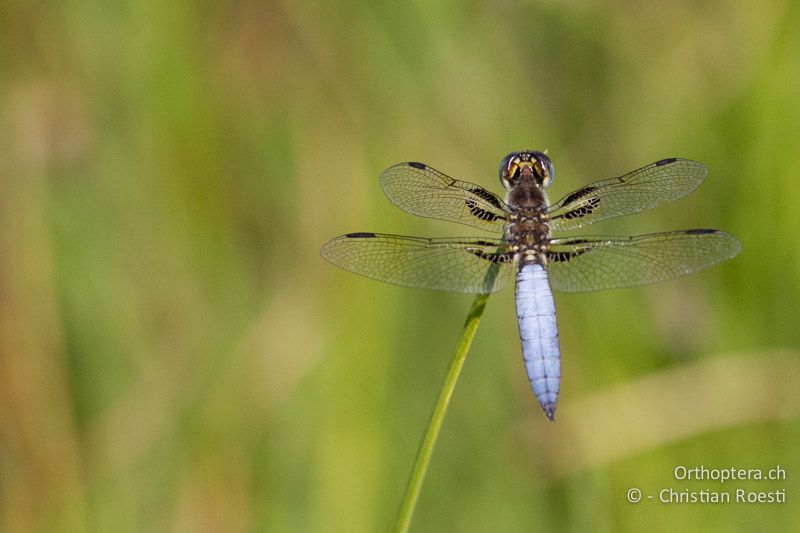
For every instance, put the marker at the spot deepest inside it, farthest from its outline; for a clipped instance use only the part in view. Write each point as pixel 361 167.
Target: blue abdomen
pixel 538 330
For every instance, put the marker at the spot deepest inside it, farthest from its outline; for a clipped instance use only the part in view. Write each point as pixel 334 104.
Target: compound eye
pixel 512 170
pixel 509 170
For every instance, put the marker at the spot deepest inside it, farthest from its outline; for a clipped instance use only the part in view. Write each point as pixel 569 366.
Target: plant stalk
pixel 437 416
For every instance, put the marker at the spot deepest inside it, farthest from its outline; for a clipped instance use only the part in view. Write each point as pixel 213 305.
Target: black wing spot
pixel 504 257
pixel 486 195
pixel 360 235
pixel 700 231
pixel 481 213
pixel 420 166
pixel 563 257
pixel 666 161
pixel 578 194
pixel 583 210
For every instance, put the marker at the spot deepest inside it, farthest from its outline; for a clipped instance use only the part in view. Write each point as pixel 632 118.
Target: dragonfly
pixel 522 246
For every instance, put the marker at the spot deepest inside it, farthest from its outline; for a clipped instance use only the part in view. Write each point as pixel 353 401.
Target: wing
pixel 461 265
pixel 665 180
pixel 588 264
pixel 420 190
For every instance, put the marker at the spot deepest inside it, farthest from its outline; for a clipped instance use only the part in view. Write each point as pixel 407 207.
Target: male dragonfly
pixel 522 223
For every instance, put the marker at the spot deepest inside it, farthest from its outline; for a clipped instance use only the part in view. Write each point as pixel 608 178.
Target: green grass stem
pixel 437 416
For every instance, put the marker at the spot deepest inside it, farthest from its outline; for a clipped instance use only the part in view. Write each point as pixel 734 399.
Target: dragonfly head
pixel 534 168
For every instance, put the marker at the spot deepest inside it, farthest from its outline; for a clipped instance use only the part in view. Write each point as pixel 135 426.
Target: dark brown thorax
pixel 525 175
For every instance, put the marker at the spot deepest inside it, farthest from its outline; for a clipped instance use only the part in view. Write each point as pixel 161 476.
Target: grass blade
pixel 428 443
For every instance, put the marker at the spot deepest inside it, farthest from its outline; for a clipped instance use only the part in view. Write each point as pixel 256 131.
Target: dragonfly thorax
pixel 528 229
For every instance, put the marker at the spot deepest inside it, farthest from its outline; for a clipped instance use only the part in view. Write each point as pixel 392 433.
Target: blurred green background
pixel 175 355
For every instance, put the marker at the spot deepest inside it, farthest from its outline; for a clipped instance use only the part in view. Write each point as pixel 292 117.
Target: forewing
pixel 421 190
pixel 595 263
pixel 645 188
pixel 449 264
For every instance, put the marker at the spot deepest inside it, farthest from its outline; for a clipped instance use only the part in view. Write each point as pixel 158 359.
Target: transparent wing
pixel 423 191
pixel 461 265
pixel 665 180
pixel 595 263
